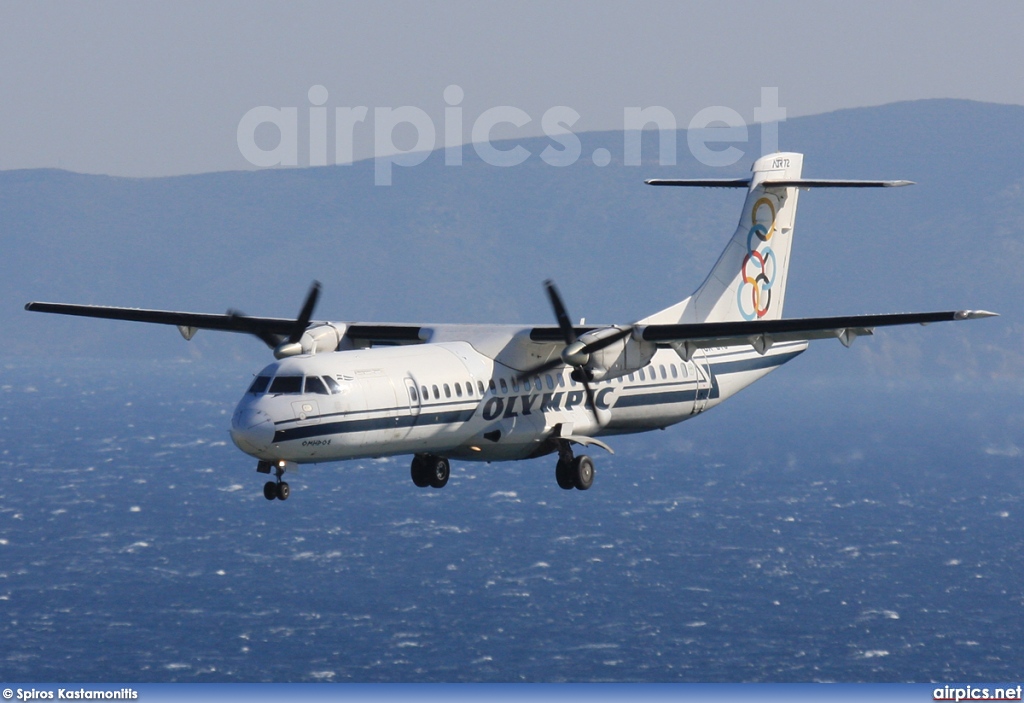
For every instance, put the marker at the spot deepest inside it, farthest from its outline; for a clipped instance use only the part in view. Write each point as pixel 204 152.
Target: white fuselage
pixel 449 399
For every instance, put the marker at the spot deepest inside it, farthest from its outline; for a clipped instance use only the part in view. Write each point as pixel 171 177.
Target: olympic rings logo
pixel 754 296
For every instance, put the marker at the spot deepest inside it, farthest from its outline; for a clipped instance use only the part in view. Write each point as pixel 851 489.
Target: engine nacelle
pixel 321 338
pixel 618 358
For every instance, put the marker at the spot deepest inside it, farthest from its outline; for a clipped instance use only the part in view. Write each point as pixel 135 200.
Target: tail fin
pixel 749 280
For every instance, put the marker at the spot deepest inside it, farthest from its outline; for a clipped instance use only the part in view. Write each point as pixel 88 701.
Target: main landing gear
pixel 430 470
pixel 573 471
pixel 275 489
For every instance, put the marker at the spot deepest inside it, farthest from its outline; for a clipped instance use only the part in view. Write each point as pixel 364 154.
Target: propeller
pixel 282 346
pixel 302 322
pixel 576 353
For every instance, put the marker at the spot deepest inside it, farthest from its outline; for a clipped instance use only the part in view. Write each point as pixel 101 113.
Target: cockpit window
pixel 286 384
pixel 259 385
pixel 315 385
pixel 332 385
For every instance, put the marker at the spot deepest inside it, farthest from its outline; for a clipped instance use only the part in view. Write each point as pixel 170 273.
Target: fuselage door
pixel 703 373
pixel 383 414
pixel 413 396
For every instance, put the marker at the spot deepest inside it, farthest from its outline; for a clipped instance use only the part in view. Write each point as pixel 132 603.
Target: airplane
pixel 350 390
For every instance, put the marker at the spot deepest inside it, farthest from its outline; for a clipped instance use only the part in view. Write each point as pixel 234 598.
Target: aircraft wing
pixel 271 330
pixel 230 322
pixel 761 334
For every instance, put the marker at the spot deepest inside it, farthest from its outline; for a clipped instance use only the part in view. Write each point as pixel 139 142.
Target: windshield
pixel 286 384
pixel 294 385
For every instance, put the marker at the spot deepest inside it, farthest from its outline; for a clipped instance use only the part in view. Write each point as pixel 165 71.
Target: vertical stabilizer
pixel 749 280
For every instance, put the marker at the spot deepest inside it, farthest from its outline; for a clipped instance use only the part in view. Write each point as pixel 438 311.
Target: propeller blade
pixel 602 416
pixel 564 324
pixel 590 395
pixel 302 322
pixel 241 322
pixel 586 349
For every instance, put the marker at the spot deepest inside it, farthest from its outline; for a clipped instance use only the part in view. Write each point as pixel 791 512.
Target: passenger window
pixel 537 384
pixel 413 395
pixel 504 386
pixel 551 384
pixel 458 389
pixel 437 396
pixel 632 377
pixel 332 385
pixel 480 387
pixel 315 385
pixel 447 391
pixel 642 376
pixel 685 369
pixel 515 385
pixel 672 368
pixel 423 392
pixel 663 374
pixel 560 381
pixel 286 384
pixel 259 385
pixel 469 389
pixel 490 386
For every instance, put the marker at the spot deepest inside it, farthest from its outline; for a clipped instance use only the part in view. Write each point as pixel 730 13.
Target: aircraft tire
pixel 563 475
pixel 270 490
pixel 283 491
pixel 583 472
pixel 439 471
pixel 419 471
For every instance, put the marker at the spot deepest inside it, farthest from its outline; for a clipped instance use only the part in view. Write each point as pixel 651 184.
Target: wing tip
pixel 974 314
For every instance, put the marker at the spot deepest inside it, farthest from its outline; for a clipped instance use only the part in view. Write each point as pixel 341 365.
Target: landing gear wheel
pixel 438 471
pixel 270 490
pixel 419 471
pixel 582 472
pixel 283 491
pixel 563 475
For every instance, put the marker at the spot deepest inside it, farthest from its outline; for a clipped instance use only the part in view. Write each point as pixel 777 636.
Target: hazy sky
pixel 159 88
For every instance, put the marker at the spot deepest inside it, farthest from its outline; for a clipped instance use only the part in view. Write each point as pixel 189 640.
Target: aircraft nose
pixel 252 430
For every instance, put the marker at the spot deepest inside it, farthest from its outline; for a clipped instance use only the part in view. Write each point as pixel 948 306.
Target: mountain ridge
pixel 473 243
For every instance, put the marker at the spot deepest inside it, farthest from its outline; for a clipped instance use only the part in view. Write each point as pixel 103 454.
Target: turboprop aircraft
pixel 348 390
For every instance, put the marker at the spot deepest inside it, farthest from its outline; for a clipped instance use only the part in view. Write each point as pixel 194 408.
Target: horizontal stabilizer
pixel 700 182
pixel 769 183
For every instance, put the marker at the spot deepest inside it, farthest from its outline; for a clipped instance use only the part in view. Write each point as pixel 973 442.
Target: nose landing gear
pixel 272 490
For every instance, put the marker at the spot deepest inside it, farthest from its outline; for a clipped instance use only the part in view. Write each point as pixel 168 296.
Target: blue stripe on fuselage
pixel 376 423
pixel 721 368
pixel 426 418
